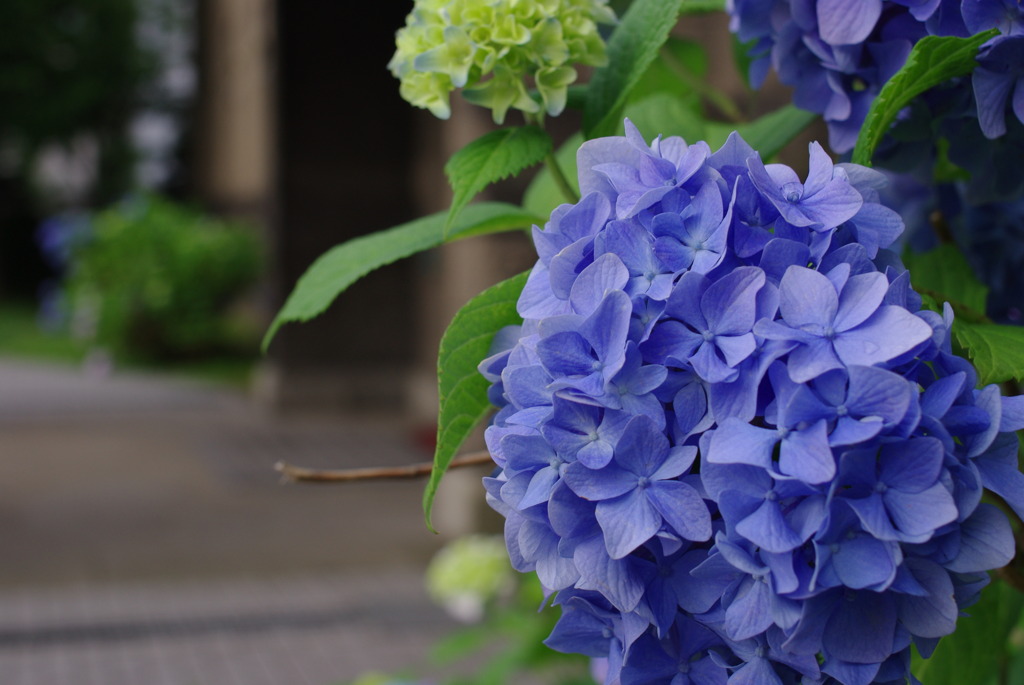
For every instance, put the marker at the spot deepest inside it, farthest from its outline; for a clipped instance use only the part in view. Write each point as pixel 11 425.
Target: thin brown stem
pixel 937 220
pixel 292 474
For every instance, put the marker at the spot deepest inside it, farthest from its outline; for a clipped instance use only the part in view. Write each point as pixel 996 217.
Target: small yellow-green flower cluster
pixel 487 47
pixel 468 573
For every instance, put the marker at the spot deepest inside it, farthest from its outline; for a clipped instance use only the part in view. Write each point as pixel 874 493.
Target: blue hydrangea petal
pixel 539 544
pixel 807 298
pixel 756 671
pixel 526 452
pixel 1012 415
pixel 541 485
pixel 749 613
pixel 889 333
pixel 526 386
pixel 739 399
pixel 606 483
pixel 873 516
pixel 913 465
pixel 567 353
pixel 859 299
pixel 1000 473
pixel 720 478
pixel 594 153
pixel 820 170
pixel 710 366
pixel 671 343
pixel 735 348
pixel 834 204
pixel 565 266
pixel 982 15
pixel 604 274
pixel 918 515
pixel 628 522
pixel 537 300
pixel 986 542
pixel 729 304
pixel 812 359
pixel 596 454
pixel 863 562
pixel 684 303
pixel 678 462
pixel 738 442
pixel 850 673
pixel 875 392
pixel 986 428
pixel 862 627
pixel 569 515
pixel 642 449
pixel 616 579
pixel 606 329
pixel 806 455
pixel 584 629
pixel 934 614
pixel 850 431
pixel 768 529
pixel 876 226
pixel 703 672
pixel 682 508
pixel 779 254
pixel 991 92
pixel 710 579
pixel 843 23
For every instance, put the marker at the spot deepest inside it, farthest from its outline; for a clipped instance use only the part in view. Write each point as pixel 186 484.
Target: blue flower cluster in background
pixel 990 236
pixel 838 54
pixel 730 442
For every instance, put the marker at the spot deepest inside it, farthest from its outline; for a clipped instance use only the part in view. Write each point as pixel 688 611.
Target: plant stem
pixel 302 474
pixel 940 227
pixel 716 97
pixel 560 179
pixel 568 192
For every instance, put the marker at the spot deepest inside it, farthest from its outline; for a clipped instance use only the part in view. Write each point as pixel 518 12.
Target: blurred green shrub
pixel 158 280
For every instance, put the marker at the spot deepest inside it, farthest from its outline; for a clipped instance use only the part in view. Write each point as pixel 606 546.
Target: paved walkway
pixel 147 539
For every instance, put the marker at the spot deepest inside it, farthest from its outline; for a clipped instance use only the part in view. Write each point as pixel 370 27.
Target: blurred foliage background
pixel 96 98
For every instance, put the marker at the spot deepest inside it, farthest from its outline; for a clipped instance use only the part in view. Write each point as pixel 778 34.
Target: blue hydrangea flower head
pixel 837 55
pixel 730 442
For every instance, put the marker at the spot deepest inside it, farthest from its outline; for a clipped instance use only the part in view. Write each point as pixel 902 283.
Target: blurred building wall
pixel 302 128
pixel 234 145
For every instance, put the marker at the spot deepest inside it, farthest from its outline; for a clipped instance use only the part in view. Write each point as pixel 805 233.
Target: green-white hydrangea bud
pixel 494 49
pixel 468 573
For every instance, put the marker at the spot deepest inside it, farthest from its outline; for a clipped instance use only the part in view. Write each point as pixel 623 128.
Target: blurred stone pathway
pixel 148 540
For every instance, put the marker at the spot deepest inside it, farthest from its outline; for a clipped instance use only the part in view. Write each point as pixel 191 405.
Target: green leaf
pixel 770 133
pixel 767 134
pixel 492 157
pixel 997 351
pixel 662 75
pixel 344 264
pixel 664 114
pixel 978 649
pixel 543 195
pixel 933 60
pixel 945 275
pixel 631 49
pixel 462 391
pixel 702 6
